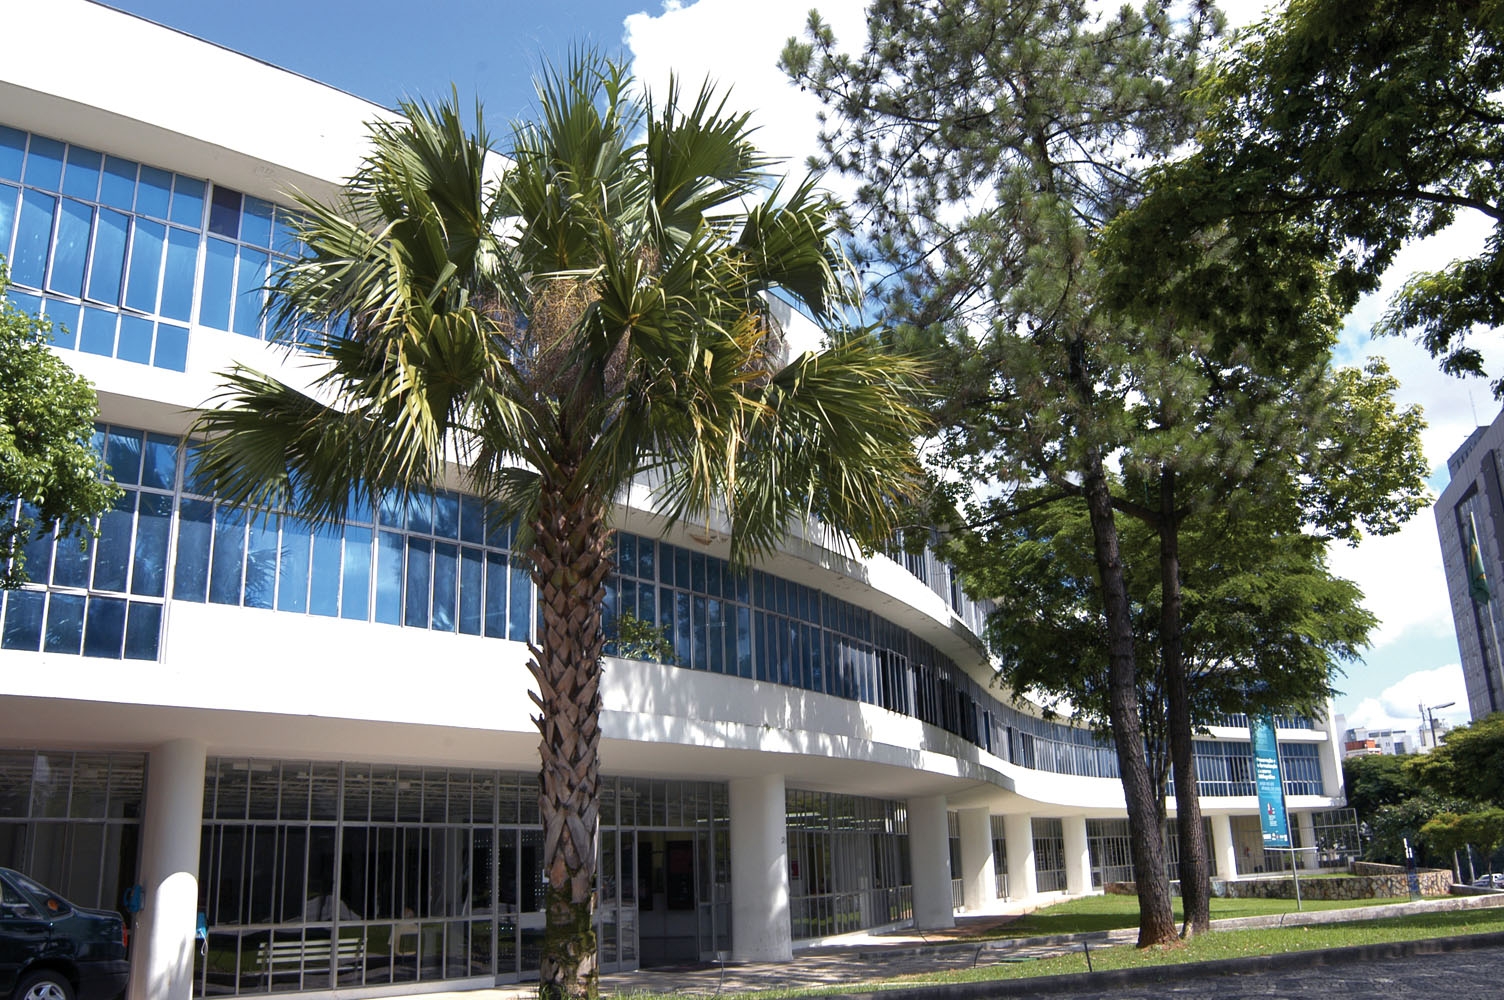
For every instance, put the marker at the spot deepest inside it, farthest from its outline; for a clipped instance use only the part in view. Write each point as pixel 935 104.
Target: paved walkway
pixel 857 959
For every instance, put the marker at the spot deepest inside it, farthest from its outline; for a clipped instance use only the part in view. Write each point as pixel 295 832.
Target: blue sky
pixel 383 50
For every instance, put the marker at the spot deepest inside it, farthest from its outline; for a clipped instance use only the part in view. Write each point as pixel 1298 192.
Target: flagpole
pixel 1493 625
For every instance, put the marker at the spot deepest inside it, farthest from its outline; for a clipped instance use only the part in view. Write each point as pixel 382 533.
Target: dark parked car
pixel 51 949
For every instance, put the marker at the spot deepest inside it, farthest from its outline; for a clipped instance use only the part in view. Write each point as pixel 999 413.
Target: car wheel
pixel 45 985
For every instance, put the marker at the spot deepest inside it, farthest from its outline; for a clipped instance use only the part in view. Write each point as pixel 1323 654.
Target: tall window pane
pixel 145 271
pixel 108 261
pixel 356 582
pixel 149 567
pixel 292 585
pixel 28 262
pixel 195 534
pixel 261 562
pixel 229 556
pixel 177 279
pixel 219 277
pixel 323 597
pixel 70 251
pixel 389 578
pixel 419 567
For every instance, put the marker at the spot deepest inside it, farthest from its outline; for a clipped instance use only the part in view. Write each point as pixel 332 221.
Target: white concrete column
pixel 1223 848
pixel 1077 855
pixel 1018 832
pixel 978 867
pixel 929 858
pixel 761 930
pixel 1306 824
pixel 162 945
pixel 1331 757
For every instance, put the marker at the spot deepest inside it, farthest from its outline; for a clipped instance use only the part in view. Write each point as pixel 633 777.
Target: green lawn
pixel 1102 913
pixel 1093 913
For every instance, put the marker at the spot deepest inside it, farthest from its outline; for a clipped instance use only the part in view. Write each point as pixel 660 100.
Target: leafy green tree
pixel 591 315
pixel 1469 764
pixel 1368 123
pixel 1377 780
pixel 47 462
pixel 995 139
pixel 1450 833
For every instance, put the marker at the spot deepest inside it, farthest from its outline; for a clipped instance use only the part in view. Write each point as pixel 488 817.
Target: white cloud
pixel 1398 706
pixel 737 44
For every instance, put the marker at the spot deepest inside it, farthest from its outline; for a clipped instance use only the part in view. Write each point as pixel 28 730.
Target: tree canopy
pixel 1345 128
pixel 47 461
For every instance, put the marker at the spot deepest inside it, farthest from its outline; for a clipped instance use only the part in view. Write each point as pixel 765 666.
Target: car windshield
pixel 52 904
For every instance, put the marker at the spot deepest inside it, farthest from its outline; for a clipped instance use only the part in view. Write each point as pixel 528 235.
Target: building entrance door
pixel 616 906
pixel 668 918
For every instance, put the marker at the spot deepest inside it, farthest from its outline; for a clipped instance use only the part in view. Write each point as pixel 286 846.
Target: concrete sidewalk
pixel 858 959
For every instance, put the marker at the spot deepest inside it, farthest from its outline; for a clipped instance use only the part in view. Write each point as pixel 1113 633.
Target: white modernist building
pixel 316 745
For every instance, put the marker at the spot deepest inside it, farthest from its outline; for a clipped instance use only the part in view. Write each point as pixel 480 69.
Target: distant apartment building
pixel 1469 518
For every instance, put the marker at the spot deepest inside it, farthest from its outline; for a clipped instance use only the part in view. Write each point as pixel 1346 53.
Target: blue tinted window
pixel 65 321
pixel 256 222
pixel 44 164
pixel 284 234
pixel 70 564
pixel 187 201
pixel 219 274
pixel 497 572
pixel 521 603
pixel 146 266
pixel 149 566
pixel 12 151
pixel 191 573
pixel 142 628
pixel 117 188
pixel 112 551
pixel 81 178
pixel 472 520
pixel 107 263
pixel 389 578
pixel 65 623
pixel 8 196
pixel 323 598
pixel 446 515
pixel 23 608
pixel 28 262
pixel 161 465
pixel 229 556
pixel 172 347
pixel 292 583
pixel 153 192
pixel 251 275
pixel 70 250
pixel 261 562
pixel 419 568
pixel 224 213
pixel 105 632
pixel 135 339
pixel 122 452
pixel 355 588
pixel 420 512
pixel 472 596
pixel 177 281
pixel 37 552
pixel 98 333
pixel 445 585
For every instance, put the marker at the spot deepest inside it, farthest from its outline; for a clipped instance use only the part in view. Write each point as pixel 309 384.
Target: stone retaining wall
pixel 1375 882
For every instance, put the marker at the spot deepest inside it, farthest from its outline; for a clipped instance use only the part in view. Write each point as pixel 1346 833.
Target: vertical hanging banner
pixel 1266 779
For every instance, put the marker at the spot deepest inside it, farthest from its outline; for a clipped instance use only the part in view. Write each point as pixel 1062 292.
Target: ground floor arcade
pixel 264 876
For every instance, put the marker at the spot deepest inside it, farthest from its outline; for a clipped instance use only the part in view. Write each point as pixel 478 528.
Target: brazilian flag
pixel 1477 579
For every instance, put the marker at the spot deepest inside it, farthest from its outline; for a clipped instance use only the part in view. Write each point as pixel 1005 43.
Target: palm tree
pixel 589 312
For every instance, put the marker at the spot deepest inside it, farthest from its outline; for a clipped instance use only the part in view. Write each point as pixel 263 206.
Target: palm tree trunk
pixel 1195 883
pixel 571 560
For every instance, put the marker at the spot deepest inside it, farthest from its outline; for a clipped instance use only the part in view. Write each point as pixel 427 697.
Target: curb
pixel 1189 970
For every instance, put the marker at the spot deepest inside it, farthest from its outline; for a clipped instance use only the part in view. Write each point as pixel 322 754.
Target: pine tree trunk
pixel 1195 879
pixel 1156 915
pixel 571 560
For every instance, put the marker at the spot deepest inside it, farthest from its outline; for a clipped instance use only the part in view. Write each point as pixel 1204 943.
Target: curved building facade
pixel 313 747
